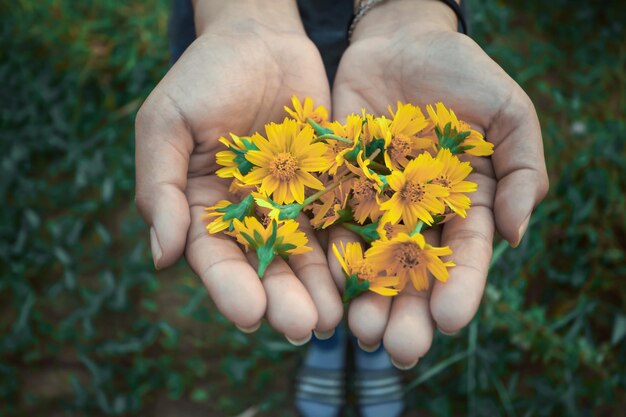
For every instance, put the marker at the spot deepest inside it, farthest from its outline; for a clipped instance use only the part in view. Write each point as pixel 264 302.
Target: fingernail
pixel 324 335
pixel 250 329
pixel 299 342
pixel 522 231
pixel 448 333
pixel 403 367
pixel 368 348
pixel 157 253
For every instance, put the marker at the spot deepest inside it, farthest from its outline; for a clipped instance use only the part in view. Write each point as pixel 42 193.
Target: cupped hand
pixel 409 51
pixel 236 76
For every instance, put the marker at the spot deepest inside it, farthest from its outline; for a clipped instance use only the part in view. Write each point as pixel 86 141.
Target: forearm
pixel 278 15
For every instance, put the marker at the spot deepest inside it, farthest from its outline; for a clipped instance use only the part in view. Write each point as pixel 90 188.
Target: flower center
pixel 363 189
pixel 364 270
pixel 265 220
pixel 315 116
pixel 400 146
pixel 388 229
pixel 443 181
pixel 408 255
pixel 413 192
pixel 334 208
pixel 284 166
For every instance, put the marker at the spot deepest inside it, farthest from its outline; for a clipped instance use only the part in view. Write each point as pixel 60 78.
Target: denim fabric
pixel 325 21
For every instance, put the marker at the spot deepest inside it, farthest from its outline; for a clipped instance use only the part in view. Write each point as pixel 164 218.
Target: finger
pixel 232 283
pixel 409 332
pixel 519 164
pixel 351 93
pixel 290 309
pixel 312 269
pixel 347 101
pixel 367 315
pixel 454 303
pixel 367 319
pixel 162 148
pixel 336 235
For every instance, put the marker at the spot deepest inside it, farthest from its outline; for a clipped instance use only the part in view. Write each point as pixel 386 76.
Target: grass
pixel 88 328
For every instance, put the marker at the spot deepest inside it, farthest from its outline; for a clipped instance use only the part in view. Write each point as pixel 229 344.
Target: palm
pixel 424 69
pixel 238 86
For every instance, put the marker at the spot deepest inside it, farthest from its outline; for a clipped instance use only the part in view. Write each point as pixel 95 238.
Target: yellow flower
pixel 353 263
pixel 387 230
pixel 370 129
pixel 410 257
pixel 400 135
pixel 329 211
pixel 287 234
pixel 233 160
pixel 285 160
pixel 274 211
pixel 366 191
pixel 440 117
pixel 363 170
pixel 452 177
pixel 302 112
pixel 282 239
pixel 265 207
pixel 479 146
pixel 415 198
pixel 364 201
pixel 339 151
pixel 225 212
pixel 239 188
pixel 218 211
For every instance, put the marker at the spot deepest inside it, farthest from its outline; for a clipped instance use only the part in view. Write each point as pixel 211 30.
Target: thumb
pixel 519 165
pixel 163 144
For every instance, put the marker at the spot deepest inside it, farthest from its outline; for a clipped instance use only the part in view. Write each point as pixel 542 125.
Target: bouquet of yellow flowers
pixel 386 179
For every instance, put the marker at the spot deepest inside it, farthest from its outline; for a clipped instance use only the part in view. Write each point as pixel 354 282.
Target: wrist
pixel 246 15
pixel 415 16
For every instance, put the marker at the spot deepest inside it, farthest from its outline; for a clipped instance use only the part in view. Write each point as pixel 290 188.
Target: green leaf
pixel 319 130
pixel 199 395
pixel 249 239
pixel 352 154
pixel 619 329
pixel 266 255
pixel 354 288
pixel 243 165
pixel 250 146
pixel 239 210
pixel 373 145
pixel 368 232
pixel 272 240
pixel 289 211
pixel 258 237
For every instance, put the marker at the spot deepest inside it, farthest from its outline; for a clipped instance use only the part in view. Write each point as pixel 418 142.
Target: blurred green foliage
pixel 87 327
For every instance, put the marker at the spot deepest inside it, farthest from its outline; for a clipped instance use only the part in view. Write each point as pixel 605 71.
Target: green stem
pixel 376 165
pixel 418 228
pixel 374 155
pixel 379 167
pixel 320 193
pixel 319 130
pixel 333 137
pixel 352 227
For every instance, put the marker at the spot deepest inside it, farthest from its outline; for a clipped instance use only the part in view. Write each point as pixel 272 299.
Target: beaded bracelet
pixel 365 6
